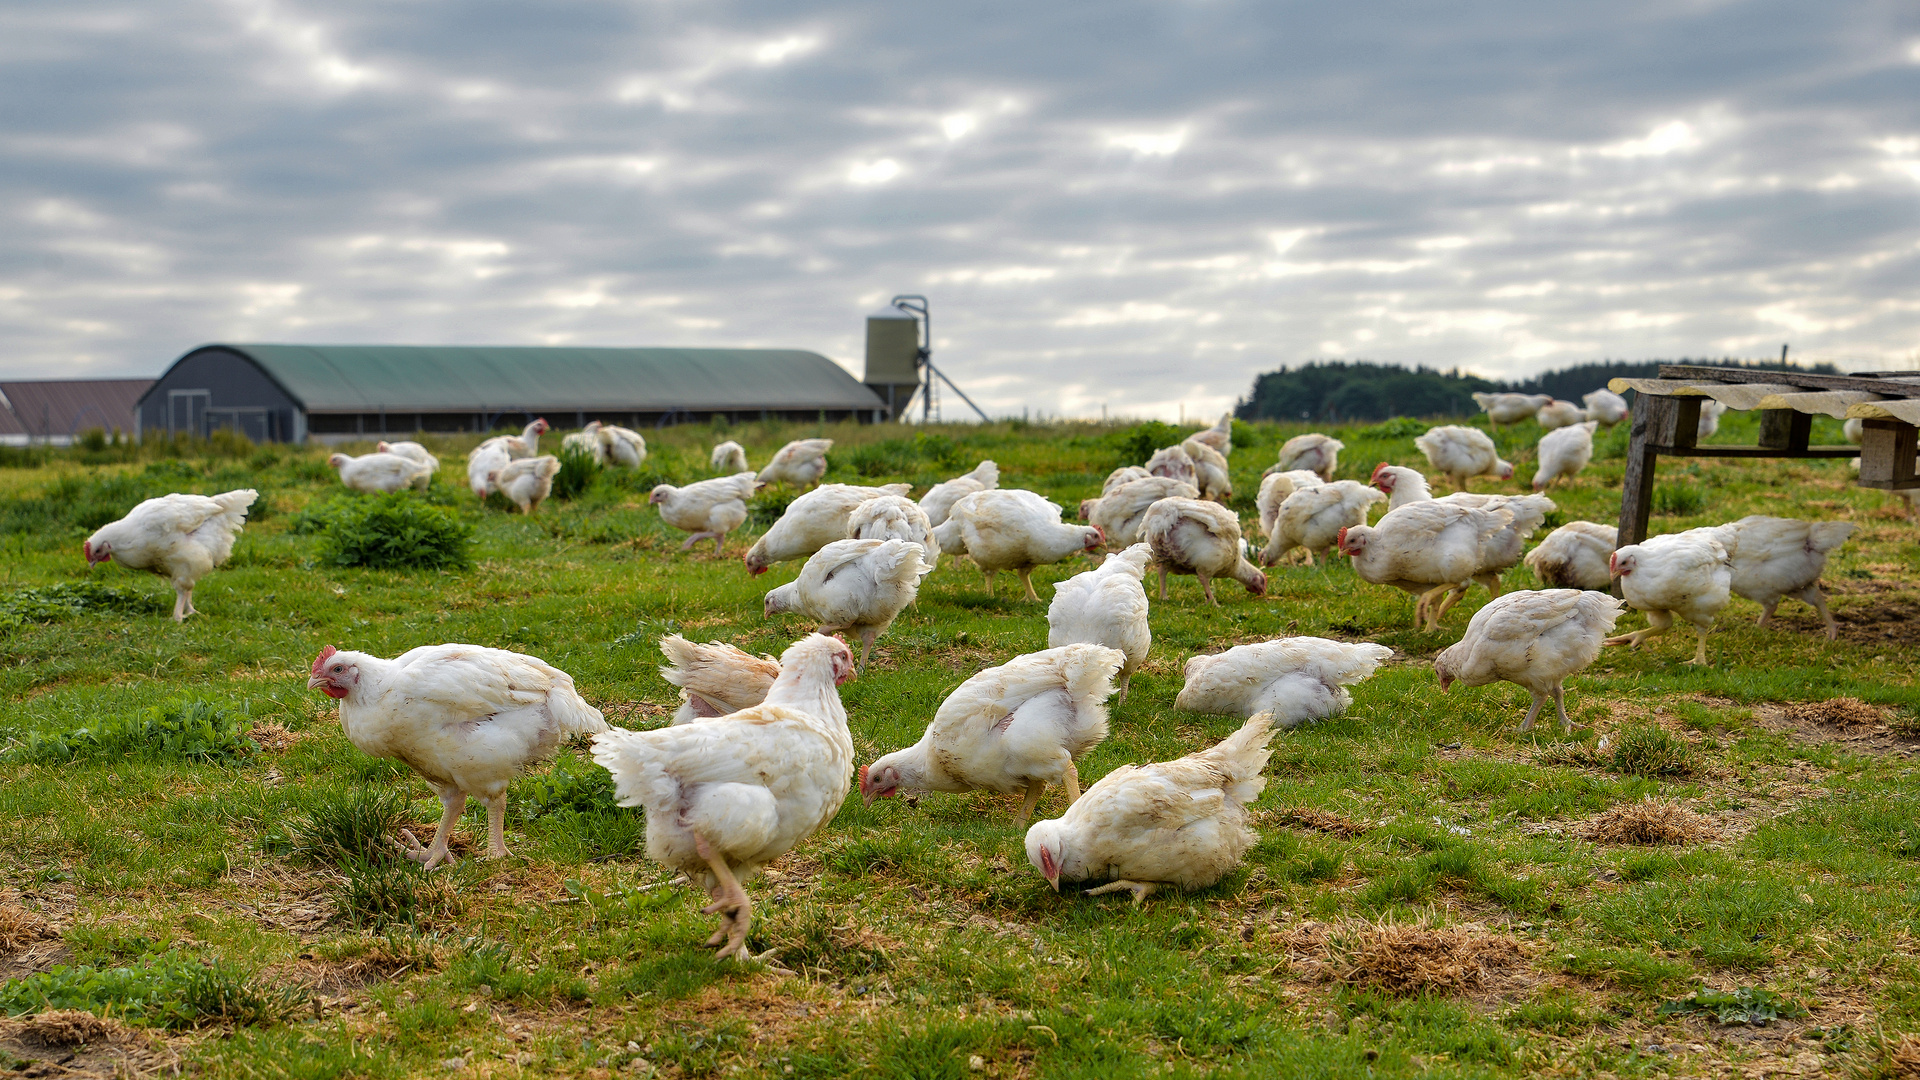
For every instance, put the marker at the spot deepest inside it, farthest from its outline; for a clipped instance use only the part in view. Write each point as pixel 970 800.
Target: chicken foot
pixel 867 634
pixel 1034 790
pixel 452 802
pixel 1139 889
pixel 1206 584
pixel 717 538
pixel 1815 599
pixel 729 901
pixel 1026 578
pixel 183 603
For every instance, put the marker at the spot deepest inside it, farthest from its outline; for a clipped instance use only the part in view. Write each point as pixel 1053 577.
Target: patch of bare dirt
pixel 1411 958
pixel 1649 821
pixel 273 738
pixel 1322 821
pixel 1888 619
pixel 65 1043
pixel 635 713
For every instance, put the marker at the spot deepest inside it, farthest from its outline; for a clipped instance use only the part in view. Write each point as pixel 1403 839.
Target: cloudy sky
pixel 1137 205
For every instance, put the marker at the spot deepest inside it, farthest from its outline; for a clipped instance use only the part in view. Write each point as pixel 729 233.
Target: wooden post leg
pixel 1653 425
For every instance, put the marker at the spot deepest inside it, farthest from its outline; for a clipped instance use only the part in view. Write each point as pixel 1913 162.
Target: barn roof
pixel 48 407
pixel 455 378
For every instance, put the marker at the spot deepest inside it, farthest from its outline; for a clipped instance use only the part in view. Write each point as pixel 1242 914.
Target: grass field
pixel 1434 892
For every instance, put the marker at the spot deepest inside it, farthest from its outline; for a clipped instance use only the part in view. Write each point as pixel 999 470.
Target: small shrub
pixel 1646 750
pixel 69 598
pixel 169 990
pixel 1400 427
pixel 1137 443
pixel 389 532
pixel 1678 500
pixel 576 475
pixel 195 730
pixel 348 827
pixel 573 785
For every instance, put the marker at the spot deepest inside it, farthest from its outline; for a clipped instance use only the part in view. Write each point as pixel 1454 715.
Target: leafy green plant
pixel 1647 750
pixel 65 599
pixel 194 730
pixel 1137 443
pixel 1400 427
pixel 389 532
pixel 1748 1005
pixel 346 827
pixel 169 990
pixel 577 472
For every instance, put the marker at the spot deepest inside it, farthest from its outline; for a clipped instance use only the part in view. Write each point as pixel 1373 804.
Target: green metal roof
pixel 460 378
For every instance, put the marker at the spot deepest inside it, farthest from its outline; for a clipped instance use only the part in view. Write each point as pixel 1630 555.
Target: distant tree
pixel 1340 390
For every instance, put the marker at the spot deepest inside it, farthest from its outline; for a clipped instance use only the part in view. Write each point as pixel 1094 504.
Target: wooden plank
pixel 1887 449
pixel 1887 387
pixel 1757 451
pixel 1785 429
pixel 1653 424
pixel 1686 423
pixel 1890 485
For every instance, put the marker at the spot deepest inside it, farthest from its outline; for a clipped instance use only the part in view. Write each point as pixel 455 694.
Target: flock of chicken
pixel 760 756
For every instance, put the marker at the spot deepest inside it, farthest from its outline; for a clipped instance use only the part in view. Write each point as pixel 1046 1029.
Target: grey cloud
pixel 1123 204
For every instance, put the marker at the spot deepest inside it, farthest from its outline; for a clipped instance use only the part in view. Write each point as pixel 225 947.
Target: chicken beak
pixel 317 682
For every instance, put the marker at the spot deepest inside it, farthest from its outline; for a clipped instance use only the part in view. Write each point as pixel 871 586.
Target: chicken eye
pixel 338 667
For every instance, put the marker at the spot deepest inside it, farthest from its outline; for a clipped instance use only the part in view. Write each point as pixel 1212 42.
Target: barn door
pixel 187 410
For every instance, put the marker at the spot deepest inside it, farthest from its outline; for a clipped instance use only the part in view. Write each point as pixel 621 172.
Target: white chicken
pixel 525 444
pixel 1563 453
pixel 799 463
pixel 940 498
pixel 716 678
pixel 1174 463
pixel 1779 557
pixel 467 719
pixel 1106 606
pixel 1294 679
pixel 1504 550
pixel 1219 436
pixel 895 517
pixel 1688 574
pixel 1576 556
pixel 1606 406
pixel 1014 530
pixel 811 522
pixel 730 457
pixel 1116 479
pixel 857 585
pixel 1192 536
pixel 179 537
pixel 1316 453
pixel 1426 549
pixel 726 795
pixel 416 453
pixel 1274 489
pixel 1558 414
pixel 1312 518
pixel 1013 728
pixel 623 446
pixel 483 462
pixel 706 509
pixel 526 482
pixel 1181 823
pixel 1533 639
pixel 1121 513
pixel 1209 471
pixel 1461 453
pixel 1710 412
pixel 586 442
pixel 376 472
pixel 1509 408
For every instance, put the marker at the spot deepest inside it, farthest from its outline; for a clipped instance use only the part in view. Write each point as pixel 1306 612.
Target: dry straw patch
pixel 1904 1058
pixel 1840 712
pixel 20 928
pixel 1306 817
pixel 1413 958
pixel 1649 821
pixel 71 1027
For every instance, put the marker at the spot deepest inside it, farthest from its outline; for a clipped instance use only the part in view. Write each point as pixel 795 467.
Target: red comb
pixel 322 658
pixel 863 776
pixel 1340 541
pixel 1377 470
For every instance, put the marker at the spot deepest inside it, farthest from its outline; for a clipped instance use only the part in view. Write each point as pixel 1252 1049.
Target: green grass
pixel 215 840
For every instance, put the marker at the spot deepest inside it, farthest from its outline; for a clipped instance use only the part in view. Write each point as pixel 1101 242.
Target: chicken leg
pixel 729 901
pixel 452 802
pixel 497 827
pixel 867 634
pixel 1658 622
pixel 183 603
pixel 1206 585
pixel 1071 781
pixel 1558 693
pixel 1163 583
pixel 1034 789
pixel 1026 578
pixel 699 536
pixel 1140 889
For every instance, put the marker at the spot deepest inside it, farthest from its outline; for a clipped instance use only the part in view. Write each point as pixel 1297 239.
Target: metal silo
pixel 894 354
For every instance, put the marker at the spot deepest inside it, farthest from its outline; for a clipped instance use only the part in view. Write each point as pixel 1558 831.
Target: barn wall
pixel 215 388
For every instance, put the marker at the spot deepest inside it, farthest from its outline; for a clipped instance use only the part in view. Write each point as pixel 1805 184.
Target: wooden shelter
pixel 1666 420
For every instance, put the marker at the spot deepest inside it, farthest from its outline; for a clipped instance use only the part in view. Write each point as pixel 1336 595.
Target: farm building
pixel 57 411
pixel 290 393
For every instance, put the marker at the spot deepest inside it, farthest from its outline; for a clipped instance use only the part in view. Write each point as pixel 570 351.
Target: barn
pixel 329 393
pixel 59 411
